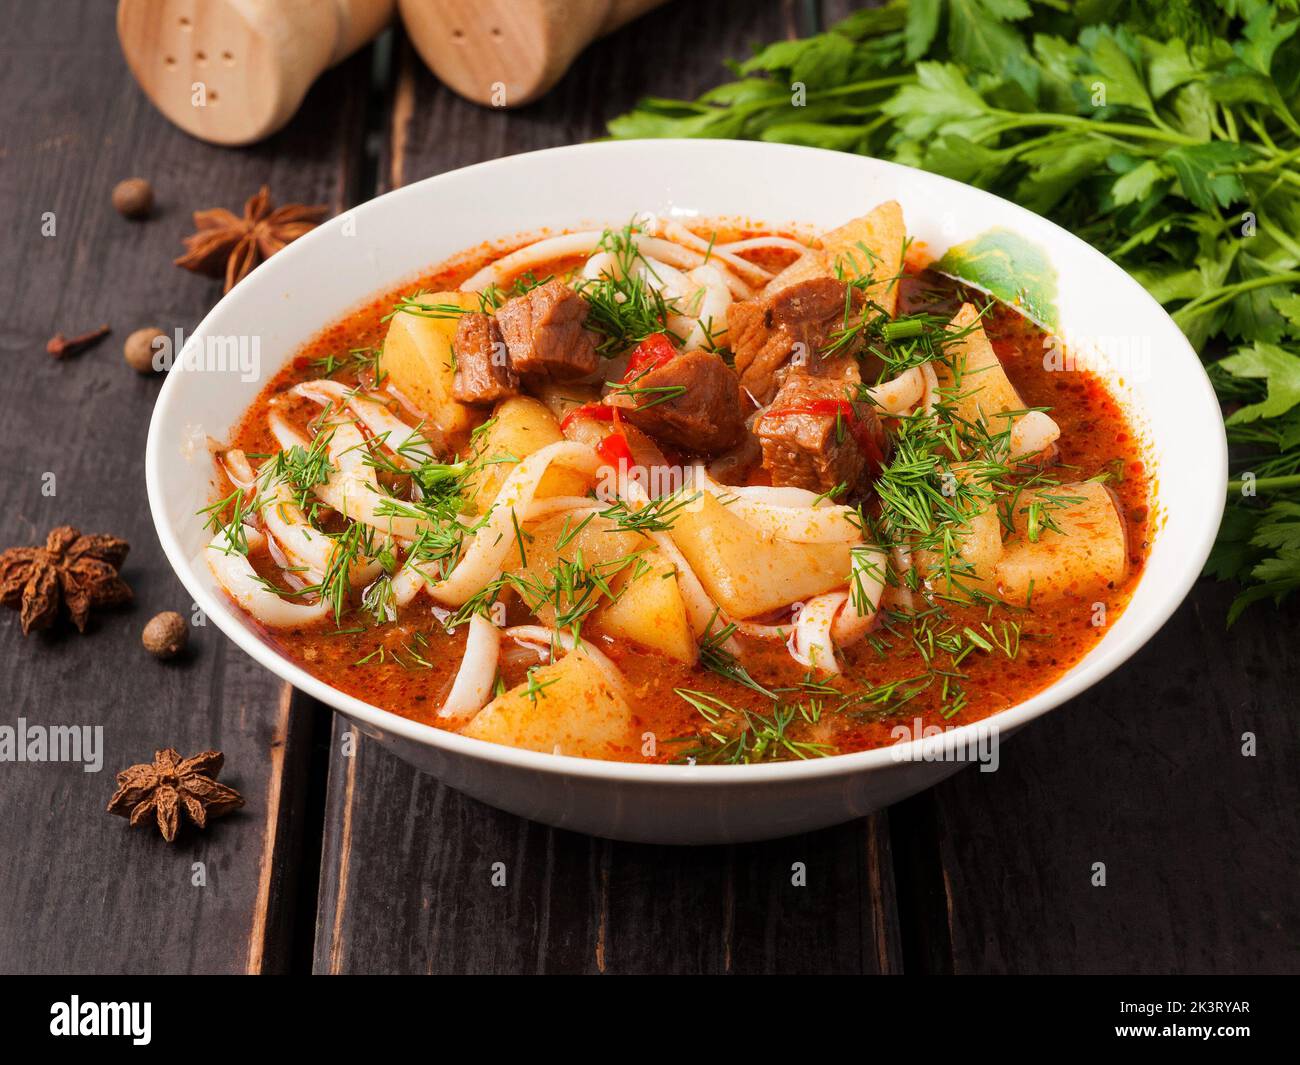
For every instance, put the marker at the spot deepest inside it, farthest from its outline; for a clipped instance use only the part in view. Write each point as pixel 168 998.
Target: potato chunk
pixel 650 611
pixel 520 425
pixel 609 555
pixel 872 244
pixel 748 573
pixel 564 397
pixel 978 545
pixel 571 707
pixel 418 360
pixel 976 386
pixel 1089 552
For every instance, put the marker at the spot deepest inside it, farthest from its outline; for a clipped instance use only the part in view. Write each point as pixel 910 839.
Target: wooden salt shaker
pixel 235 71
pixel 508 52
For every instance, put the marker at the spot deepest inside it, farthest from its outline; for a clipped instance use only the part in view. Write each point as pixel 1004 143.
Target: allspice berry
pixel 139 350
pixel 166 635
pixel 133 198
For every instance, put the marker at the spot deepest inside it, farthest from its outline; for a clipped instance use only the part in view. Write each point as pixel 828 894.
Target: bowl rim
pixel 1091 669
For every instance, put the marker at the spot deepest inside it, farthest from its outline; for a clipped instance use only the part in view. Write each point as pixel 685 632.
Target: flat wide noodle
pixel 751 272
pixel 238 470
pixel 801 524
pixel 236 575
pixel 899 394
pixel 868 573
pixel 305 547
pixel 492 543
pixel 759 631
pixel 1032 433
pixel 810 643
pixel 352 488
pixel 407 584
pixel 472 687
pixel 840 619
pixel 711 314
pixel 407 444
pixel 586 243
pixel 755 243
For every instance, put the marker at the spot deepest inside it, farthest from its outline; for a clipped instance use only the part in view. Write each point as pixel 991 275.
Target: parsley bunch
pixel 1164 134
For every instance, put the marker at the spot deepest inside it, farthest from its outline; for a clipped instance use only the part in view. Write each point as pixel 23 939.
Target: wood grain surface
pixel 1146 774
pixel 83 891
pixel 345 859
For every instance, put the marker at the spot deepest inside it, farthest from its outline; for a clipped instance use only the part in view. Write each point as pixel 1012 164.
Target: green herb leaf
pixel 1270 363
pixel 1204 172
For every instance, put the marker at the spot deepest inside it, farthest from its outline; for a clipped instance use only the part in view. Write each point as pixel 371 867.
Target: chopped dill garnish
pixel 623 308
pixel 573 589
pixel 379 602
pixel 239 505
pixel 364 362
pixel 351 547
pixel 715 656
pixel 657 393
pixel 537 687
pixel 659 515
pixel 421 307
pixel 739 736
pixel 301 468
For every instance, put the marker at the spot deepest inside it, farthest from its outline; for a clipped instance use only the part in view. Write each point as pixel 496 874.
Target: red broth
pixel 407 666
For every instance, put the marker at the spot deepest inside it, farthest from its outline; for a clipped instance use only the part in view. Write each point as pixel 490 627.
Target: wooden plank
pixel 83 892
pixel 1146 774
pixel 406 869
pixel 407 878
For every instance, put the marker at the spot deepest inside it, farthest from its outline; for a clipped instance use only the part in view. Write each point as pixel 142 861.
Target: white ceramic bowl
pixel 381 243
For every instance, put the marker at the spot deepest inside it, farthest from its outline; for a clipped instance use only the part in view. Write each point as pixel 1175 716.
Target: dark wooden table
pixel 359 864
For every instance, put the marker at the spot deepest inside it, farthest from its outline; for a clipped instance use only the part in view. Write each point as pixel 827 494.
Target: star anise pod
pixel 170 785
pixel 230 246
pixel 78 571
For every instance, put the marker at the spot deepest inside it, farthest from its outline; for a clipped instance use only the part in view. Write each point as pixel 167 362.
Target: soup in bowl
pixel 630 519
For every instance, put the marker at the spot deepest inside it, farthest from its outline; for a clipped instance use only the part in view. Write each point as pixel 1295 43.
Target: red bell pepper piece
pixel 614 450
pixel 599 412
pixel 654 351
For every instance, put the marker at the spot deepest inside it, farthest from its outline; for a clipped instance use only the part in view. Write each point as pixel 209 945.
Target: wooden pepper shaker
pixel 235 71
pixel 508 52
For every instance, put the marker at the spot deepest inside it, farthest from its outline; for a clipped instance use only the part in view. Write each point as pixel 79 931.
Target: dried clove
pixel 61 346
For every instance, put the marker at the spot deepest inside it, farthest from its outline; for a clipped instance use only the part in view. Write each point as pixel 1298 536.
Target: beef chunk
pixel 809 310
pixel 544 333
pixel 814 437
pixel 764 332
pixel 483 370
pixel 693 402
pixel 759 350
